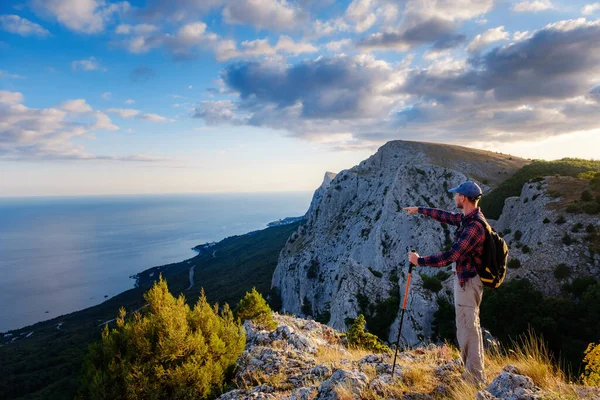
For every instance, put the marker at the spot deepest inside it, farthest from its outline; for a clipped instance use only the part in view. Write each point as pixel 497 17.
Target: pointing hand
pixel 411 210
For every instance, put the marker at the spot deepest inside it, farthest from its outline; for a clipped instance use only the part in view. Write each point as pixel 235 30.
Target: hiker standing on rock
pixel 468 289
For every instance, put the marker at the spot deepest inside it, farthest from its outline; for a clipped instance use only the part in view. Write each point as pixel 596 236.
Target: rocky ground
pixel 302 359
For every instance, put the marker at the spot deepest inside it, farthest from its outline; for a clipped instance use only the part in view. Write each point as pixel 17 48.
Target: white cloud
pixel 124 112
pixel 489 36
pixel 47 133
pixel 518 35
pixel 276 15
pixel 21 26
pixel 129 101
pixel 7 75
pixel 90 64
pixel 532 6
pixel 285 45
pixel 338 45
pixel 104 122
pixel 10 97
pixel 590 8
pixel 139 29
pixel 154 118
pixel 133 113
pixel 76 106
pixel 85 16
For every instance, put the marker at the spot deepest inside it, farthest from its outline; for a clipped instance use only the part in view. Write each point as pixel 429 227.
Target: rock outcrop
pixel 305 360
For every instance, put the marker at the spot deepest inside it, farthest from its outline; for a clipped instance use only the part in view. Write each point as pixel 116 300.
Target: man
pixel 468 290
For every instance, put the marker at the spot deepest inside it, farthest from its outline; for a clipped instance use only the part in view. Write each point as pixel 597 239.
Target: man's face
pixel 459 200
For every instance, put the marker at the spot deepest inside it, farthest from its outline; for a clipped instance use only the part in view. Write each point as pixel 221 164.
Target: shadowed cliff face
pixel 351 255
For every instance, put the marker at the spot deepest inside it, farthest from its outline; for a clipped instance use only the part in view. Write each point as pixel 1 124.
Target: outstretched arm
pixel 470 236
pixel 441 215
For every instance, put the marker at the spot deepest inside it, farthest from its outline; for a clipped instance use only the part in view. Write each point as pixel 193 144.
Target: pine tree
pixel 170 351
pixel 254 307
pixel 357 337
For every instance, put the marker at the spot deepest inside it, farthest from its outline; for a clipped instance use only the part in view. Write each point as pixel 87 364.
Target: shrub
pixel 525 249
pixel 513 263
pixel 306 307
pixel 579 285
pixel 376 273
pixel 573 208
pixel 561 271
pixel 561 220
pixel 171 351
pixel 586 195
pixel 590 228
pixel 506 231
pixel 576 227
pixel 546 220
pixel 591 374
pixel 567 239
pixel 518 235
pixel 358 338
pixel 591 208
pixel 313 268
pixel 432 283
pixel 254 307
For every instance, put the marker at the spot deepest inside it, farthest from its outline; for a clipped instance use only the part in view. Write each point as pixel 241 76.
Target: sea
pixel 63 254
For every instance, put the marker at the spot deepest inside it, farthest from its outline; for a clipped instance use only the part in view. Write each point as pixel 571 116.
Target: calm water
pixel 62 254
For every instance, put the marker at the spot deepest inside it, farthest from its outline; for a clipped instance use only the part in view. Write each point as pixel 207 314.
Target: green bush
pixel 576 227
pixel 579 285
pixel 306 307
pixel 591 208
pixel 525 249
pixel 171 351
pixel 376 273
pixel 513 263
pixel 562 271
pixel 358 338
pixel 431 283
pixel 573 208
pixel 518 235
pixel 591 374
pixel 567 239
pixel 546 220
pixel 561 219
pixel 590 228
pixel 586 195
pixel 254 307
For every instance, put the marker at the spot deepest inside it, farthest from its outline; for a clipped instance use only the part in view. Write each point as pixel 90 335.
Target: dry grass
pixel 532 358
pixel 569 189
pixel 335 355
pixel 416 373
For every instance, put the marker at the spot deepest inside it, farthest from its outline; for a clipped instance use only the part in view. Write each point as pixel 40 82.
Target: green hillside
pixel 491 204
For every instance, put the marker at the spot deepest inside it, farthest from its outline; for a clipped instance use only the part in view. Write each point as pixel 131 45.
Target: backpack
pixel 495 255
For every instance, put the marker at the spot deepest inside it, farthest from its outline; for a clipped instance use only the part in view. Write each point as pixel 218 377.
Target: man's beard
pixel 459 205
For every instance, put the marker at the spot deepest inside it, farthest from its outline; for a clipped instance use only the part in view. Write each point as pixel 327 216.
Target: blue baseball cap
pixel 468 189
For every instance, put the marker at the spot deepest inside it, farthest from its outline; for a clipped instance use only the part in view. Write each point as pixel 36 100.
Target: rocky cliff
pixel 350 256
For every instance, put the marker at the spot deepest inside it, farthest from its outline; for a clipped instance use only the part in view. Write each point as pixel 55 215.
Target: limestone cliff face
pixel 351 253
pixel 535 231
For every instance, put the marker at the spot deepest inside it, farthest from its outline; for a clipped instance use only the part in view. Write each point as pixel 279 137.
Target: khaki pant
pixel 468 330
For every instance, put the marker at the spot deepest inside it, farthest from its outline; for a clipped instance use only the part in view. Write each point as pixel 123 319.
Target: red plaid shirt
pixel 468 248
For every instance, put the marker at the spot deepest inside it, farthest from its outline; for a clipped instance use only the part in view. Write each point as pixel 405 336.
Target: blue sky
pixel 103 97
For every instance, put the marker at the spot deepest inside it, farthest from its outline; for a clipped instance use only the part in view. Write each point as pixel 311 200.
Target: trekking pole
pixel 410 268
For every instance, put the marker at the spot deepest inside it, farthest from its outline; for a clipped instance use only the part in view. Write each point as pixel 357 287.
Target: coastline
pixel 141 279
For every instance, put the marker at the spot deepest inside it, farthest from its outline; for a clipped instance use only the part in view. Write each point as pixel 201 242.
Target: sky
pixel 178 96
